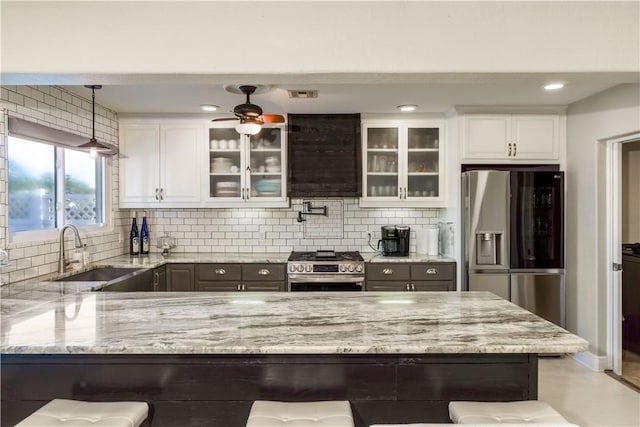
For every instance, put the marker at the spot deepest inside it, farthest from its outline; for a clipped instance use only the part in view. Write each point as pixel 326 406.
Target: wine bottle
pixel 134 238
pixel 144 236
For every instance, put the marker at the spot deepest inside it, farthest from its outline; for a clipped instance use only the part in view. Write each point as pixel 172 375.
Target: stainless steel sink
pixel 100 274
pixel 118 279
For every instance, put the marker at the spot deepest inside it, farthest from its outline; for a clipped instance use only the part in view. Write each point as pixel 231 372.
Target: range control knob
pixel 342 268
pixel 300 268
pixel 308 268
pixel 351 268
pixel 292 268
pixel 359 268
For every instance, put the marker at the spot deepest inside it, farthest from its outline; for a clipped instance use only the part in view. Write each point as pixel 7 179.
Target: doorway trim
pixel 614 248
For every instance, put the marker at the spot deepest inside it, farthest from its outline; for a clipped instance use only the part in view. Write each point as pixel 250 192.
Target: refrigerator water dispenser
pixel 488 248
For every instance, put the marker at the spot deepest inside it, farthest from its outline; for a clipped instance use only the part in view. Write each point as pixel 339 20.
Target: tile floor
pixel 585 397
pixel 631 367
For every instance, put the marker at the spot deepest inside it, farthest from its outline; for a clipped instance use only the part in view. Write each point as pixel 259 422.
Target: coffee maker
pixel 395 240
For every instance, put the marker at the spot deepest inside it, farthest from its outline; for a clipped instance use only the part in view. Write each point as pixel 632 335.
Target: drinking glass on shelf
pixel 383 164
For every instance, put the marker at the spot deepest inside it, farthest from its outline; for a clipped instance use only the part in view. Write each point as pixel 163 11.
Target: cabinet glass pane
pixel 424 138
pixel 382 162
pixel 224 163
pixel 423 162
pixel 266 163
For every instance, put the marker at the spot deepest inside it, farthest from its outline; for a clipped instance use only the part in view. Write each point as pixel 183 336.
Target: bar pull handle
pixel 387 271
pixel 509 155
pixel 515 148
pixel 247 193
pixel 264 272
pixel 432 270
pixel 243 194
pixel 407 287
pixel 413 287
pixel 239 287
pixel 220 271
pixel 157 194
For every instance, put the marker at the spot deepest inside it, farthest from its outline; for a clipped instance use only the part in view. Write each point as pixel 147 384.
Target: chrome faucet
pixel 62 262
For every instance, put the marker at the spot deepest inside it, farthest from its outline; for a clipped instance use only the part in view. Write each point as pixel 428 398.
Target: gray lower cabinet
pixel 180 277
pixel 421 276
pixel 240 277
pixel 160 279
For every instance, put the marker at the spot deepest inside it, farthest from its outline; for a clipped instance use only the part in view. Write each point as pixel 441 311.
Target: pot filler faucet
pixel 62 262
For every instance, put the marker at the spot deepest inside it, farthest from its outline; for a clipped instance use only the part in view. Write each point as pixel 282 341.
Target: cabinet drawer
pixel 386 286
pixel 434 285
pixel 263 272
pixel 395 271
pixel 433 271
pixel 217 286
pixel 218 272
pixel 264 287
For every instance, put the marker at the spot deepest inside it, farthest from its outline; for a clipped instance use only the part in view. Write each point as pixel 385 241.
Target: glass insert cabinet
pixel 247 169
pixel 403 163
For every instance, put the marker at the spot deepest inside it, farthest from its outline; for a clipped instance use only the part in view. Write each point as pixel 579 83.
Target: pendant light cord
pixel 93 110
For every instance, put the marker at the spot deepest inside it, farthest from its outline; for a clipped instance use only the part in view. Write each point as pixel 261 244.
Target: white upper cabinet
pixel 180 154
pixel 246 171
pixel 403 163
pixel 139 168
pixel 160 163
pixel 511 137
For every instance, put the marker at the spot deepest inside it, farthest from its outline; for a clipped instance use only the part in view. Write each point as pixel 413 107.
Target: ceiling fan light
pixel 248 128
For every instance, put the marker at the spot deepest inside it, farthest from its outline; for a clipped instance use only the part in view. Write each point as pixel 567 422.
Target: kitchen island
pixel 201 359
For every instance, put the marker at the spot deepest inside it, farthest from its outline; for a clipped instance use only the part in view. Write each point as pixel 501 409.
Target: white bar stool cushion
pixel 476 425
pixel 75 413
pixel 522 412
pixel 300 414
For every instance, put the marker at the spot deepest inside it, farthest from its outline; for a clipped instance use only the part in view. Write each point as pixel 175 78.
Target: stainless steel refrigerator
pixel 513 238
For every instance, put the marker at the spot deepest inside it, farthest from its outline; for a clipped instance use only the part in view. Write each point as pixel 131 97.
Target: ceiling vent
pixel 303 94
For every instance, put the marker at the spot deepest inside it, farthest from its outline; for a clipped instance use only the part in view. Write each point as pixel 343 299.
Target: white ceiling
pixel 367 93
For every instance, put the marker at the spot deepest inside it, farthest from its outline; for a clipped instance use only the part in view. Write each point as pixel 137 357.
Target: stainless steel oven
pixel 328 271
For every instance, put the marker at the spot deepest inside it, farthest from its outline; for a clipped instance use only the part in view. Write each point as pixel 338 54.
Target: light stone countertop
pixel 277 323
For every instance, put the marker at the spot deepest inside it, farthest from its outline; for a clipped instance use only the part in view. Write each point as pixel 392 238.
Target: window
pixel 51 186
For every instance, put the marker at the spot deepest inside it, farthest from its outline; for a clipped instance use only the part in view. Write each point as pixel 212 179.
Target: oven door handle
pixel 324 279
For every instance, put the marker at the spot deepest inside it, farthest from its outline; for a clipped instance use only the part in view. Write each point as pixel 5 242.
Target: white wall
pixel 316 37
pixel 614 112
pixel 58 109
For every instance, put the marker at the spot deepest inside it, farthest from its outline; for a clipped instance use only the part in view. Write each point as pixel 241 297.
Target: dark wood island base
pixel 218 390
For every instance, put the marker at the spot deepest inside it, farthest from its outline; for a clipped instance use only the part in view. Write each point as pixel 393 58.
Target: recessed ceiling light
pixel 553 86
pixel 407 107
pixel 209 107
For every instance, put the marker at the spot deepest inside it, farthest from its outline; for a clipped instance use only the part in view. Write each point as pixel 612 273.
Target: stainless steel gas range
pixel 325 270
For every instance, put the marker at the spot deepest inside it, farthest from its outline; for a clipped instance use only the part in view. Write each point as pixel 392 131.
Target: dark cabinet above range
pixel 324 155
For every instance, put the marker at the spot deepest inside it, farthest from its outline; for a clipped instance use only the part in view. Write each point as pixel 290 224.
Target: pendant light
pixel 93 146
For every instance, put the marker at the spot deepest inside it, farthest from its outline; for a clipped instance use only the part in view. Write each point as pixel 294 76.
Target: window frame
pixel 103 189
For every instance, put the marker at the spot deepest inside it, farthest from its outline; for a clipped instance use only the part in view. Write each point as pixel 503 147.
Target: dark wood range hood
pixel 324 155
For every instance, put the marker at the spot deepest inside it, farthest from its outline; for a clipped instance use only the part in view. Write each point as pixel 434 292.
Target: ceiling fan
pixel 250 115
